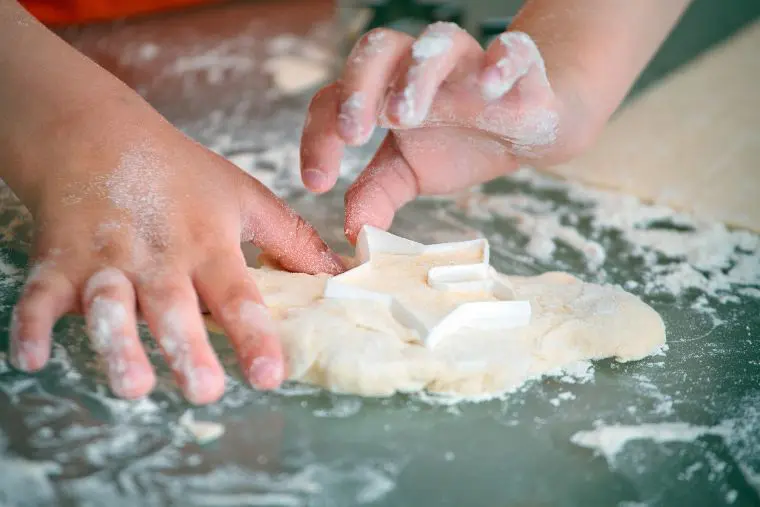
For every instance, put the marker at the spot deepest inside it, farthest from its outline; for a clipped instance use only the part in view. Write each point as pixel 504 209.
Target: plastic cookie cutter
pixel 477 277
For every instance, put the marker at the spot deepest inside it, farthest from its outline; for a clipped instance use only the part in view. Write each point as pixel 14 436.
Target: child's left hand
pixel 458 116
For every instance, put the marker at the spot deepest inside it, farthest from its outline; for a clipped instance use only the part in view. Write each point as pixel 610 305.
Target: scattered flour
pixel 431 44
pixel 373 44
pixel 680 252
pixel 31 480
pixel 147 205
pixel 215 63
pixel 342 407
pixel 609 441
pixel 739 434
pixel 293 74
pixel 700 255
pixel 204 432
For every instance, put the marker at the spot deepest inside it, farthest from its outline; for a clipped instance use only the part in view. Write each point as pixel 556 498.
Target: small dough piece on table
pixel 358 347
pixel 690 142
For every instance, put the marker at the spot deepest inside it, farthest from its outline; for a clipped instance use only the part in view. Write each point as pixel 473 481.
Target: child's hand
pixel 131 217
pixel 458 116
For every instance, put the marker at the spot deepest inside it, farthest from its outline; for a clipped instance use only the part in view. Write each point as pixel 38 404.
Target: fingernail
pixel 16 357
pixel 28 356
pixel 314 179
pixel 265 373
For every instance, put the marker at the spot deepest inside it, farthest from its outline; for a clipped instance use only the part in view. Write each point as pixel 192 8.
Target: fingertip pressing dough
pixel 358 347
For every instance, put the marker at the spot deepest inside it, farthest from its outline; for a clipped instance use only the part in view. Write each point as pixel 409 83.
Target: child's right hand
pixel 132 216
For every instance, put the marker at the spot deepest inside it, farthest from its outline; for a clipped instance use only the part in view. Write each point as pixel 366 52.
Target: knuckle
pixel 161 291
pixel 374 36
pixel 109 249
pixel 350 194
pixel 108 282
pixel 208 239
pixel 233 298
pixel 372 44
pixel 323 94
pixel 157 243
pixel 35 291
pixel 304 234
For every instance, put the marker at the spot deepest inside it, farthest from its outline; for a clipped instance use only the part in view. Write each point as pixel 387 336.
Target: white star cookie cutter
pixel 506 313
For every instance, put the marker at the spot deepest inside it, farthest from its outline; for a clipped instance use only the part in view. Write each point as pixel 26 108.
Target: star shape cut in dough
pixel 465 271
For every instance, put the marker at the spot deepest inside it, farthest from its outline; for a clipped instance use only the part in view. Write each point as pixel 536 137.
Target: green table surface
pixel 65 440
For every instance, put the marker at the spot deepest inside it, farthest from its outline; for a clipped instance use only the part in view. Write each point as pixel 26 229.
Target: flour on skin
pixel 435 42
pixel 349 117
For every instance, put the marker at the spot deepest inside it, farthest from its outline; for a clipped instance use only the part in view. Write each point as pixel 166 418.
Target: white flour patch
pixel 680 252
pixel 350 116
pixel 342 407
pixel 294 74
pixel 173 340
pixel 539 223
pixel 136 186
pixel 203 432
pixel 609 441
pixel 526 132
pixel 436 41
pixel 431 44
pixel 216 63
pixel 374 44
pixel 106 322
pixel 148 51
pixel 738 433
pixel 522 56
pixel 580 372
pixel 9 273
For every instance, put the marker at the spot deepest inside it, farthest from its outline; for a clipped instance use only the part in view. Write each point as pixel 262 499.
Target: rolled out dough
pixel 358 347
pixel 692 141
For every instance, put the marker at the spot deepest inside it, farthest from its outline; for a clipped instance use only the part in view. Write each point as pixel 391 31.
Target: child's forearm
pixel 45 85
pixel 595 49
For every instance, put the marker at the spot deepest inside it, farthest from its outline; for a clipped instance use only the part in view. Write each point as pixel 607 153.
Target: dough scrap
pixel 690 142
pixel 357 347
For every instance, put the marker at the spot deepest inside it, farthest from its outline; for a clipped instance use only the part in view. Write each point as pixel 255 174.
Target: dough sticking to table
pixel 358 347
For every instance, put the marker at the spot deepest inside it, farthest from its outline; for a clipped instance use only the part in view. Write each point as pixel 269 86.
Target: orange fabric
pixel 67 12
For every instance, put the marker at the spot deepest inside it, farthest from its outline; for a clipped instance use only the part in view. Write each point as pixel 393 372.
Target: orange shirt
pixel 65 12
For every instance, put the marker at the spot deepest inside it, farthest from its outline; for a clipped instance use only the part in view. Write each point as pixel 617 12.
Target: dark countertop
pixel 66 441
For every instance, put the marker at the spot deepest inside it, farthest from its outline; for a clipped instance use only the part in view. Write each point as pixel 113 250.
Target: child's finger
pixel 170 307
pixel 433 56
pixel 386 185
pixel 513 59
pixel 368 74
pixel 108 302
pixel 47 295
pixel 321 147
pixel 236 304
pixel 282 234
